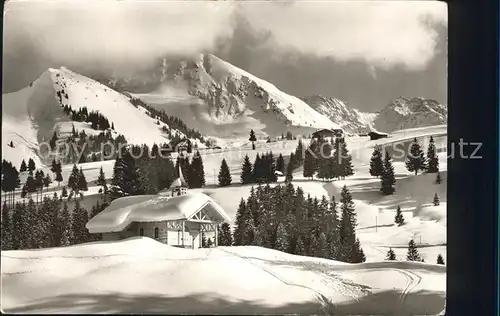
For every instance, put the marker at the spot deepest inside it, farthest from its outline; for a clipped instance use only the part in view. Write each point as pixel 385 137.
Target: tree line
pixel 412 254
pixel 328 159
pixel 29 225
pixel 172 121
pixel 381 165
pixel 97 120
pixel 283 218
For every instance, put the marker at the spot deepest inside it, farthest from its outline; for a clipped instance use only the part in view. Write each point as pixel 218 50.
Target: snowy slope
pixel 140 275
pixel 31 115
pixel 229 101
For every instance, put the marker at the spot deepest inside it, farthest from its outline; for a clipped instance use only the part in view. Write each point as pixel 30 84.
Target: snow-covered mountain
pixel 405 113
pixel 402 113
pixel 32 114
pixel 224 100
pixel 351 120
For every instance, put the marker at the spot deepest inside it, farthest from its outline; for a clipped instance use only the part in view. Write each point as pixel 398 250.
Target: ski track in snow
pixel 322 298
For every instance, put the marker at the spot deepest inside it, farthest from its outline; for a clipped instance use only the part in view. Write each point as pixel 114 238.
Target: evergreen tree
pixel 390 255
pixel 376 162
pixel 74 181
pixel 345 165
pixel 438 178
pixel 47 181
pixel 79 220
pixel 300 248
pixel 23 166
pixel 435 201
pixel 82 181
pixel 289 172
pixel 413 254
pixel 257 169
pixel 225 238
pixel 280 164
pixel 197 174
pixel 281 243
pixel 244 230
pixel 388 179
pixel 432 157
pixel 350 247
pixel 399 219
pixel 7 229
pixel 58 172
pixel 440 259
pixel 324 159
pixel 101 181
pixel 416 161
pixel 246 171
pixel 53 141
pixel 127 179
pixel 299 153
pixel 21 226
pixel 224 174
pixel 309 164
pixel 31 165
pixel 252 138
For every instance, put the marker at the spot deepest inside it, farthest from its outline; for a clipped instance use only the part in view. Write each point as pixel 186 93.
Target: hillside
pixel 226 101
pixel 229 280
pixel 31 115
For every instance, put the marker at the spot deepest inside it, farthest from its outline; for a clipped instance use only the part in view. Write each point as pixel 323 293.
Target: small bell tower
pixel 179 186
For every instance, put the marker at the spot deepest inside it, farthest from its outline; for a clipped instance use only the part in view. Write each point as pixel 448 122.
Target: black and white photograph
pixel 224 157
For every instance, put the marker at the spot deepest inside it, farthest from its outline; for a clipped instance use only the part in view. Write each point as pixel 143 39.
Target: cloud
pixel 116 31
pixel 383 34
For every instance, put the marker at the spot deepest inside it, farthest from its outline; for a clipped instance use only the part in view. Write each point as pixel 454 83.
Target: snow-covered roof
pixel 150 208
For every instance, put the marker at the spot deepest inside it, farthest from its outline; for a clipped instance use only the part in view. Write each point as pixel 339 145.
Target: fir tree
pixel 435 201
pixel 23 166
pixel 350 247
pixel 440 259
pixel 127 179
pixel 299 153
pixel 413 254
pixel 31 165
pixel 53 141
pixel 74 181
pixel 432 158
pixel 101 181
pixel 47 181
pixel 416 161
pixel 309 164
pixel 225 238
pixel 244 230
pixel 257 169
pixel 376 162
pixel 300 248
pixel 7 229
pixel 289 172
pixel 224 174
pixel 387 178
pixel 390 255
pixel 345 165
pixel 280 164
pixel 438 178
pixel 21 226
pixel 281 243
pixel 399 219
pixel 82 181
pixel 197 174
pixel 252 138
pixel 246 171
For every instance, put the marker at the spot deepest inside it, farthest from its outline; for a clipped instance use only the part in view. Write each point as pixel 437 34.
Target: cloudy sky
pixel 365 52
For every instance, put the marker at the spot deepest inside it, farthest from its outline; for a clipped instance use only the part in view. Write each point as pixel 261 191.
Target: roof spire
pixel 181 178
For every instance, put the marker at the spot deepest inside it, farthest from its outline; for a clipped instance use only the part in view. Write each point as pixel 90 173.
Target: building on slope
pixel 374 135
pixel 178 220
pixel 327 133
